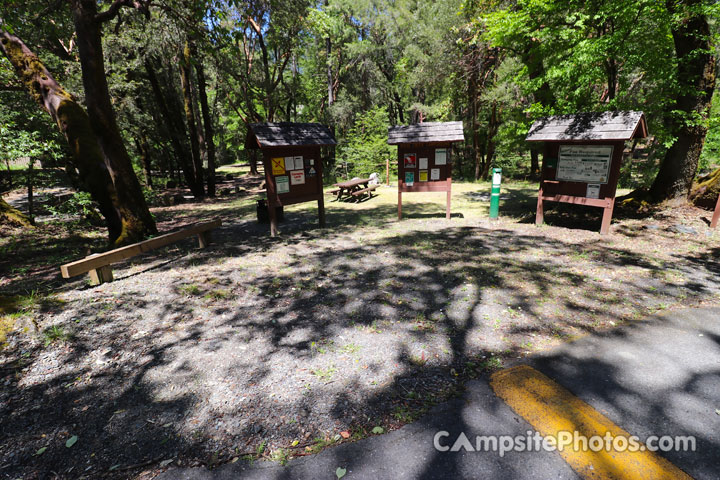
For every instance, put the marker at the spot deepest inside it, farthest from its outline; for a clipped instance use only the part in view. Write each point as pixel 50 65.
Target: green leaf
pixel 71 441
pixel 378 430
pixel 41 451
pixel 340 472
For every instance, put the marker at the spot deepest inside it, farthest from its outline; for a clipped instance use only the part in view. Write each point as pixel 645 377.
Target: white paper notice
pixel 434 174
pixel 299 163
pixel 297 177
pixel 289 163
pixel 593 191
pixel 441 156
pixel 423 164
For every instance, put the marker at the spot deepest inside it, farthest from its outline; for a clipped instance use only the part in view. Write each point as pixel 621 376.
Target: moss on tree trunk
pixel 8 214
pixel 706 191
pixel 72 121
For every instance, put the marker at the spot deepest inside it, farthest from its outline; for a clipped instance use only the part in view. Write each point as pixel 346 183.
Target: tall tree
pixel 185 80
pixel 137 222
pixel 75 125
pixel 695 82
pixel 208 125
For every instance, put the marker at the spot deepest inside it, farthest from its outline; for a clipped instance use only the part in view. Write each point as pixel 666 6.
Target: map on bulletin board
pixel 584 163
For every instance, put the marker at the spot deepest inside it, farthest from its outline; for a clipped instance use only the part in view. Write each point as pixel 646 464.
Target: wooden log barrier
pixel 99 265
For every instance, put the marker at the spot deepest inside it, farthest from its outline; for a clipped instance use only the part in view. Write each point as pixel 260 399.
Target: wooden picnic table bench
pixel 98 265
pixel 365 191
pixel 352 189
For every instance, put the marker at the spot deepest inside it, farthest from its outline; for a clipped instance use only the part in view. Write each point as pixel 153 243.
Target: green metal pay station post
pixel 495 192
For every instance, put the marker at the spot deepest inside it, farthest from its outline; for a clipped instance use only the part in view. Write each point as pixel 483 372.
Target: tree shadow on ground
pixel 303 336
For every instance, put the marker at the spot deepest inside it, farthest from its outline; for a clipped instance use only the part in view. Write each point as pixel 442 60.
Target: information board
pixel 584 163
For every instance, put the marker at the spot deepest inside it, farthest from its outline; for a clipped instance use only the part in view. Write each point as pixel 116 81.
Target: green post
pixel 495 192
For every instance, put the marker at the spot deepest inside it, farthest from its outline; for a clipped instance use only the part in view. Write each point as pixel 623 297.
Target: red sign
pixel 410 160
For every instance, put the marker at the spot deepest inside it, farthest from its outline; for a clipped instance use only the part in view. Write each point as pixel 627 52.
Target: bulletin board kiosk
pixel 424 158
pixel 582 158
pixel 292 163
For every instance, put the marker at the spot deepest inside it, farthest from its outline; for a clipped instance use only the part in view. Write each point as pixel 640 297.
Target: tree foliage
pixel 362 65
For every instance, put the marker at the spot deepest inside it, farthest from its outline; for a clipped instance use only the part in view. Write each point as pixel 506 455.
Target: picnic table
pixel 357 188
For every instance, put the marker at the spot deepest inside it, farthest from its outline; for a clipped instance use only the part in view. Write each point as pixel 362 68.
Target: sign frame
pixel 433 178
pixel 554 190
pixel 301 159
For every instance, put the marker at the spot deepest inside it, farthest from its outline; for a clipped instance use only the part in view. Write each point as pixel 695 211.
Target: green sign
pixel 283 184
pixel 409 179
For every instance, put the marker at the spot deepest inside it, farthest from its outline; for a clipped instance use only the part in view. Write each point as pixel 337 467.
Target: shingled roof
pixel 285 134
pixel 589 126
pixel 426 133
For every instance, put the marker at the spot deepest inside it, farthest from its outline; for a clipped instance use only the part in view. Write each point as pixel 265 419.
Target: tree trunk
pixel 328 49
pixel 143 149
pixel 175 127
pixel 534 163
pixel 198 189
pixel 209 132
pixel 493 125
pixel 696 80
pixel 30 196
pixel 137 222
pixel 253 163
pixel 9 214
pixel 544 95
pixel 706 191
pixel 74 124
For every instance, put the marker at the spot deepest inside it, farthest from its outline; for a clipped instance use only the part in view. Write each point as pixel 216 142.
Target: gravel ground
pixel 277 347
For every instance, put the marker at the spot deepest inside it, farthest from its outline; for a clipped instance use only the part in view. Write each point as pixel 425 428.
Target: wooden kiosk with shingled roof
pixel 424 157
pixel 293 163
pixel 582 158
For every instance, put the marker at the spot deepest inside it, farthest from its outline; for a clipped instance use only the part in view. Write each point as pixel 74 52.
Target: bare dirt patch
pixel 279 347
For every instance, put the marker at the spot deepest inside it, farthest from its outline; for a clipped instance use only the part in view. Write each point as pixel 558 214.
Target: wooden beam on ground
pixel 97 261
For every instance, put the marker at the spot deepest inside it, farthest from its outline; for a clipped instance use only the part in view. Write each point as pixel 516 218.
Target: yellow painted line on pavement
pixel 553 411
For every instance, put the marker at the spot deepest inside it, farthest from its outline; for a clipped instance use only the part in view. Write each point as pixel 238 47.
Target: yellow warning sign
pixel 278 165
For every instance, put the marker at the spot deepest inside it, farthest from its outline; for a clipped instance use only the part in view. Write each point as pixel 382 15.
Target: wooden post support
pixel 399 202
pixel 101 275
pixel 272 213
pixel 204 239
pixel 387 171
pixel 449 196
pixel 540 214
pixel 716 215
pixel 607 217
pixel 321 211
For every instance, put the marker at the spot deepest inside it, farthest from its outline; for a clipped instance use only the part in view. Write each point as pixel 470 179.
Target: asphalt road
pixel 656 377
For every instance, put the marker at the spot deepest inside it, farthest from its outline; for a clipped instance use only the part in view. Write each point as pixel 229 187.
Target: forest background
pixel 170 86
